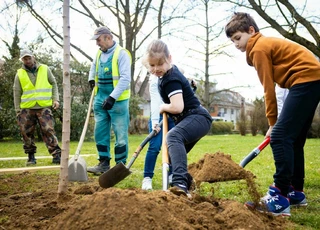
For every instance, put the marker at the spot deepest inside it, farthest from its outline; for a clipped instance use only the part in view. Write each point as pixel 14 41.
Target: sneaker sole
pixel 179 192
pixel 266 212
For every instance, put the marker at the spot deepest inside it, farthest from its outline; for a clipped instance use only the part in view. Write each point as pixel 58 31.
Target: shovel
pixel 255 152
pixel 120 171
pixel 77 167
pixel 165 155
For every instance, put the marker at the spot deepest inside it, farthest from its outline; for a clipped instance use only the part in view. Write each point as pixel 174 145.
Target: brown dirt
pixel 87 206
pixel 220 167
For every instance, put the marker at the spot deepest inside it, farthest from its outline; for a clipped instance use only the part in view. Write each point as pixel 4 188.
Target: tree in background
pixel 128 19
pixel 205 45
pixel 258 119
pixel 8 125
pixel 242 121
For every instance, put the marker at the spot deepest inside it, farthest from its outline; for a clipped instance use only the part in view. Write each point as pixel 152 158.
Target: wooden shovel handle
pixel 165 154
pixel 85 127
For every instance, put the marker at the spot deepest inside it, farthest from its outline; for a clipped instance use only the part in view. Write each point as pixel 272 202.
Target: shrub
pixel 221 127
pixel 77 121
pixel 139 125
pixel 314 131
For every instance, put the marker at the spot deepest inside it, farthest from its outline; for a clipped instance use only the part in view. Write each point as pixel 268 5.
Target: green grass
pixel 235 145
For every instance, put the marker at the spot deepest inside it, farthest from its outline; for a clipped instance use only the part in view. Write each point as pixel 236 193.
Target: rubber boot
pixel 31 159
pixel 56 158
pixel 102 167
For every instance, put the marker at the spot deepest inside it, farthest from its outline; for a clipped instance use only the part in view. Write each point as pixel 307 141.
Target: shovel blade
pixel 114 175
pixel 77 169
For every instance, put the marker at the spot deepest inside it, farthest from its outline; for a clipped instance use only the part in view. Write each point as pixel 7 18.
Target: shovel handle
pixel 264 143
pixel 148 138
pixel 255 152
pixel 142 144
pixel 83 134
pixel 165 154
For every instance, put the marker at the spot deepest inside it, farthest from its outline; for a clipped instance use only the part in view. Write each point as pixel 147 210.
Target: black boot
pixel 56 158
pixel 103 166
pixel 31 159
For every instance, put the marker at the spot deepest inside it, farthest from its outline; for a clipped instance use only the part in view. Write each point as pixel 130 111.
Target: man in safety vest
pixel 110 77
pixel 35 92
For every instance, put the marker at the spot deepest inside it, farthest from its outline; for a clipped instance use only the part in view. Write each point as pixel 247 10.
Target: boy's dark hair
pixel 240 22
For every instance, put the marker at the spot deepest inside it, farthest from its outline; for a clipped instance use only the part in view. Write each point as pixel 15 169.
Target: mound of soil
pixel 87 206
pixel 220 167
pixel 216 167
pixel 136 209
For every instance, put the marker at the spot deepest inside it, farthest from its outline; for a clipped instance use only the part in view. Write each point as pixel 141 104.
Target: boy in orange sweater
pixel 290 65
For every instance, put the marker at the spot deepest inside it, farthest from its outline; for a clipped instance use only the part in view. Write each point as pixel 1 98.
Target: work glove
pixel 108 103
pixel 92 84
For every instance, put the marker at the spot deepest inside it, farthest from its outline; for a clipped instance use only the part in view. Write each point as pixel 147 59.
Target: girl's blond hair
pixel 157 49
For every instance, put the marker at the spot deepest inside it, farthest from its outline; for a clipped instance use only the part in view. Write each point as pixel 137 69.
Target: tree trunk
pixel 63 179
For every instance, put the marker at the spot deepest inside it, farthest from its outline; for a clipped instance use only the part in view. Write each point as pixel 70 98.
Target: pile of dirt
pixel 136 209
pixel 220 167
pixel 216 167
pixel 87 206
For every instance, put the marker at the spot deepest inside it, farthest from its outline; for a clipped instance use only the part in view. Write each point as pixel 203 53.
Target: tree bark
pixel 63 179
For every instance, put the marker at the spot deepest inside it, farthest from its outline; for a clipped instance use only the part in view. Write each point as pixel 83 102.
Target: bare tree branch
pixel 90 15
pixel 314 33
pixel 290 33
pixel 52 32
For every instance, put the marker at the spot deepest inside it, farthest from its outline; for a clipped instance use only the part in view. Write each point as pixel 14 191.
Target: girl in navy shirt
pixel 192 121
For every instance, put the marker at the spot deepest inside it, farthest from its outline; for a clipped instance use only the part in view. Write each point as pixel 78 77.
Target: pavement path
pixel 37 157
pixel 29 169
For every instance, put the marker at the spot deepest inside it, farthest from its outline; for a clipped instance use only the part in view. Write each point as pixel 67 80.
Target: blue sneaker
pixel 273 202
pixel 297 198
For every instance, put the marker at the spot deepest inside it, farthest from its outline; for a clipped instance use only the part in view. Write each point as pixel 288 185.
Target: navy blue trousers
pixel 182 138
pixel 289 135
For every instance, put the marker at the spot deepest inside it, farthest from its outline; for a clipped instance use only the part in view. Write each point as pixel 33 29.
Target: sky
pixel 236 70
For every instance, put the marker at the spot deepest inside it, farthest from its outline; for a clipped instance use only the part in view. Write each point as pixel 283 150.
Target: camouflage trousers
pixel 28 119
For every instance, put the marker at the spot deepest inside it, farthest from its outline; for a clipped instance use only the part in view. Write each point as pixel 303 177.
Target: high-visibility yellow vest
pixel 41 93
pixel 115 72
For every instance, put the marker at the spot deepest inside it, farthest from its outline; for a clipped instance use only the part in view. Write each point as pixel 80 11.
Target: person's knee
pixel 174 137
pixel 277 134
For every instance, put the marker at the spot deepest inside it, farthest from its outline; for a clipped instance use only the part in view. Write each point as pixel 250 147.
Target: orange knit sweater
pixel 280 61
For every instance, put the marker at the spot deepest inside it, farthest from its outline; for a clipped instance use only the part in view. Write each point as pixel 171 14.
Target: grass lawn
pixel 235 145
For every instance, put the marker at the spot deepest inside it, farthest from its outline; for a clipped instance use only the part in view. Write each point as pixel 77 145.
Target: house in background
pixel 227 106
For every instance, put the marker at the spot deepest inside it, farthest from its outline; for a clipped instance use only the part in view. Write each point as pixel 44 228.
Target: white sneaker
pixel 147 183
